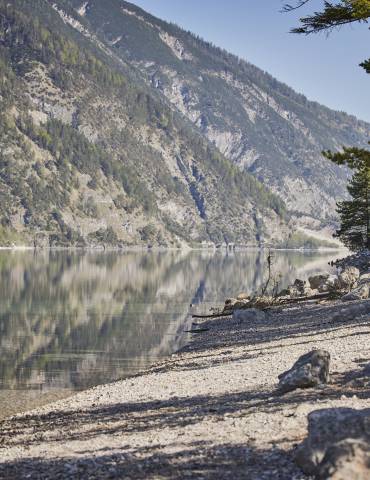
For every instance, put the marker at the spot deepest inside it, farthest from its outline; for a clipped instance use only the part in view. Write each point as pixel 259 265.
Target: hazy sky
pixel 324 68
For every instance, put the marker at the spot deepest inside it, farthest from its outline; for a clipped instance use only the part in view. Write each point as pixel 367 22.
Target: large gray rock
pixel 249 315
pixel 337 445
pixel 310 370
pixel 317 280
pixel 348 277
pixel 346 460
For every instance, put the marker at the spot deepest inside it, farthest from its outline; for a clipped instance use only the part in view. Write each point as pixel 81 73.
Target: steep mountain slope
pixel 262 125
pixel 90 154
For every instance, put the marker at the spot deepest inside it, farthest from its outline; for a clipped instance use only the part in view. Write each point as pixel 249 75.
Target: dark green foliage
pixel 366 65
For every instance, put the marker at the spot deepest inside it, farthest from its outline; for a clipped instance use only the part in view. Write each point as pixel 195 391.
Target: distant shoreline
pixel 139 248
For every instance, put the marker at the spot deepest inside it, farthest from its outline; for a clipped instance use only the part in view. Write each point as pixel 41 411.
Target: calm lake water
pixel 72 320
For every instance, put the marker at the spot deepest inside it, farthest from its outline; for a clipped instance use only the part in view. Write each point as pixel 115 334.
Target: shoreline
pixel 210 410
pixel 140 248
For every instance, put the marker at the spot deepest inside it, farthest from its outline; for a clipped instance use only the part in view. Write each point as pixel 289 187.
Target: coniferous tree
pixel 354 214
pixel 354 231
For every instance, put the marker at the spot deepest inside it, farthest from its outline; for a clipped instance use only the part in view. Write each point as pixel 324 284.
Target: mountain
pixel 118 128
pixel 261 125
pixel 92 155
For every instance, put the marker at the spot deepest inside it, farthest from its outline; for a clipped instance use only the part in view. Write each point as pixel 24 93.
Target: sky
pixel 322 67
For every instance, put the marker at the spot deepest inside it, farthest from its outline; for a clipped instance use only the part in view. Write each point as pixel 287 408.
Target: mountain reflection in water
pixel 72 320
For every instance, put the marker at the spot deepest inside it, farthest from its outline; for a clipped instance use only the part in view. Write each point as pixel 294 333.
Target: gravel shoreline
pixel 210 411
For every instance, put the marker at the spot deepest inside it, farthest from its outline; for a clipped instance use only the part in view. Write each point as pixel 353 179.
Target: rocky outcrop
pixel 337 445
pixel 310 370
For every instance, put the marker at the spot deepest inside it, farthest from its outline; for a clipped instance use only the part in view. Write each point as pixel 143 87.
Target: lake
pixel 70 320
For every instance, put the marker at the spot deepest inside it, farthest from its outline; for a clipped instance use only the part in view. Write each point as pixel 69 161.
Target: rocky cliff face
pixel 93 155
pixel 260 124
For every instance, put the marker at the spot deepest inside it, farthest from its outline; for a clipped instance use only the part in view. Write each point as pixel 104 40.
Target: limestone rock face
pixel 310 370
pixel 337 445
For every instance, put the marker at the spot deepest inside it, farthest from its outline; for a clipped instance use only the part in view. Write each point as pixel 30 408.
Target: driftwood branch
pixel 214 315
pixel 261 304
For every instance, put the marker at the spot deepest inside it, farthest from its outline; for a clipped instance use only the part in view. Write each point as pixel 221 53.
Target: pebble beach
pixel 211 410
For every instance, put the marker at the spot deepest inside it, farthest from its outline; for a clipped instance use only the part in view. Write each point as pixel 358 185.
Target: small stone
pixel 310 370
pixel 230 302
pixel 243 296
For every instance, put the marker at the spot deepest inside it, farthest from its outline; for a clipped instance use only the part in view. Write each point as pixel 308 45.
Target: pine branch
pixel 333 15
pixel 289 8
pixel 366 65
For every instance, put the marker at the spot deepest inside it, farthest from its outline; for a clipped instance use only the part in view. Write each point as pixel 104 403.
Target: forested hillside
pixel 260 124
pixel 92 155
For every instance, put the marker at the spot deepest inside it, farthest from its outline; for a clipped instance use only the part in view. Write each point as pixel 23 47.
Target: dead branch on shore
pixel 214 315
pixel 264 303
